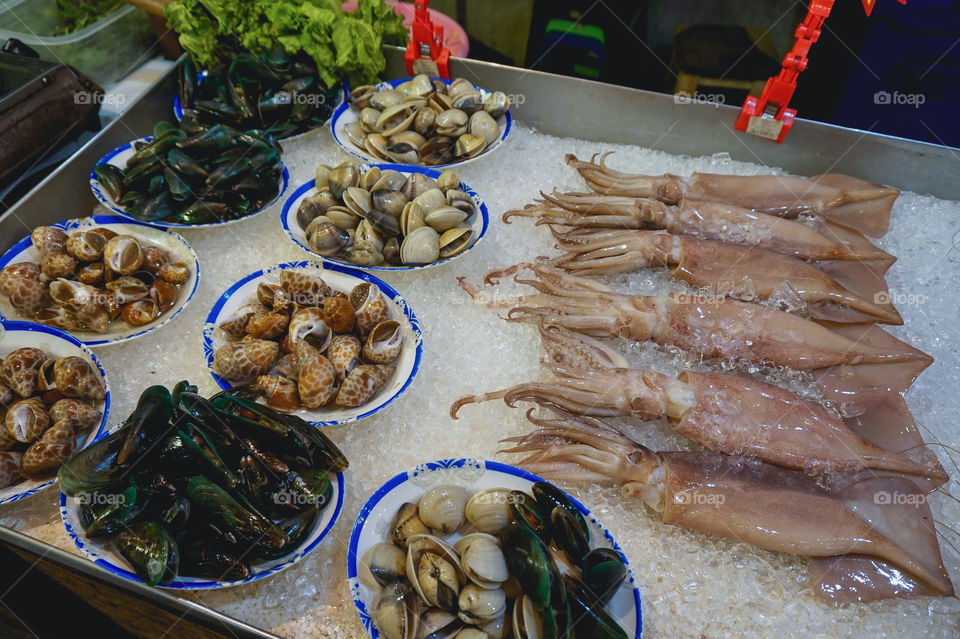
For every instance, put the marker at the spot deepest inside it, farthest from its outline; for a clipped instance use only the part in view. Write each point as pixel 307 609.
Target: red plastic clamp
pixel 768 115
pixel 425 51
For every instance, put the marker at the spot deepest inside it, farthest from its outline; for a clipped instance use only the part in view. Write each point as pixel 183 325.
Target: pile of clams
pixel 303 344
pixel 385 217
pixel 424 121
pixel 494 564
pixel 88 279
pixel 44 401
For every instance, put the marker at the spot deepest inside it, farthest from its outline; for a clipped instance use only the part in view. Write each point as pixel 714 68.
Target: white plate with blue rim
pixel 344 115
pixel 119 156
pixel 479 223
pixel 107 558
pixel 177 249
pixel 377 514
pixel 55 344
pixel 241 297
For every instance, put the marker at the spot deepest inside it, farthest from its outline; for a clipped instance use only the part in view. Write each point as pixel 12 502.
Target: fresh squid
pixel 863 548
pixel 843 199
pixel 711 326
pixel 731 268
pixel 724 413
pixel 711 220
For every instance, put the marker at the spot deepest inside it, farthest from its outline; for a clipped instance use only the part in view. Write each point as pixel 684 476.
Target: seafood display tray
pixel 690 584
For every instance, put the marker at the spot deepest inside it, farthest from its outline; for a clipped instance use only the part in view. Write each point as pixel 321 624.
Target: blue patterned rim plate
pixel 176 247
pixel 109 560
pixel 118 157
pixel 55 343
pixel 344 115
pixel 479 223
pixel 243 294
pixel 376 515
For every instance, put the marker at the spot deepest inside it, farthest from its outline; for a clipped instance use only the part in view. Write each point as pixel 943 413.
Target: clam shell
pixel 484 126
pixel 382 563
pixel 469 146
pixel 357 200
pixel 407 524
pixel 478 605
pixel 326 238
pixel 421 246
pixel 482 560
pixel 391 180
pixel 448 180
pixel 441 507
pixel 444 218
pixel 489 510
pixel 368 179
pixel 385 98
pixel 455 241
pixel 430 199
pixel 411 218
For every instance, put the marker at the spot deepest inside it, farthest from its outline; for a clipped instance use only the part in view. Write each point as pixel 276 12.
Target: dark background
pixel 910 51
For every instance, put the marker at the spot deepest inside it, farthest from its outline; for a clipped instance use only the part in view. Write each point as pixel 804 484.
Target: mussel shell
pixel 603 572
pixel 528 561
pixel 151 551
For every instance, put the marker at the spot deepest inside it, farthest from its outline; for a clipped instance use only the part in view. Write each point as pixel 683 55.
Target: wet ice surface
pixel 691 584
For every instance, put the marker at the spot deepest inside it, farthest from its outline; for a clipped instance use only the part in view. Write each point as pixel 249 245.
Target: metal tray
pixel 562 106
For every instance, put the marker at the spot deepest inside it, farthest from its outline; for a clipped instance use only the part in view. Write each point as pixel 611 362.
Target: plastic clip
pixel 425 51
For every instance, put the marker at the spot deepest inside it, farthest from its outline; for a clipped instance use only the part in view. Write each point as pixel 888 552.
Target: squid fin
pixel 868 209
pixel 864 279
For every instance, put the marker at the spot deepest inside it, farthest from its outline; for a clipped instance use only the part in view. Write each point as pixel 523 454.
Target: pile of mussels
pixel 273 91
pixel 202 487
pixel 196 174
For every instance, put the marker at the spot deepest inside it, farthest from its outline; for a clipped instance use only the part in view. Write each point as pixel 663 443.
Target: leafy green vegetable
pixel 342 44
pixel 79 13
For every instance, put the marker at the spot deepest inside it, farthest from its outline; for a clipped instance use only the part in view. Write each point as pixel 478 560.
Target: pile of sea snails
pixel 501 575
pixel 424 121
pixel 88 279
pixel 44 401
pixel 386 217
pixel 305 345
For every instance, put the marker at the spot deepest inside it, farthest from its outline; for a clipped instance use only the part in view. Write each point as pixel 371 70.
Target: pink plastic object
pixel 454 37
